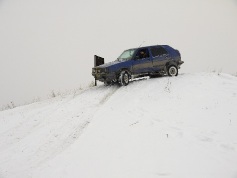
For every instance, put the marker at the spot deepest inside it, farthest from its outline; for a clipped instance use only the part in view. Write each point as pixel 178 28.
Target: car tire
pixel 124 78
pixel 172 71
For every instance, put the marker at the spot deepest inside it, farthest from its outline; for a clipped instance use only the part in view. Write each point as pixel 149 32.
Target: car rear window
pixel 158 51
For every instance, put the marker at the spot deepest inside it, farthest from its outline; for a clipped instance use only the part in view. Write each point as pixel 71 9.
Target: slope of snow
pixel 184 126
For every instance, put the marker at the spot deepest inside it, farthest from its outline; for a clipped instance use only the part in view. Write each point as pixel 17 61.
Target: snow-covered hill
pixel 178 127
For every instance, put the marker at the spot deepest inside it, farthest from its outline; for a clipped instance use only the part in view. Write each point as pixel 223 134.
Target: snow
pixel 172 127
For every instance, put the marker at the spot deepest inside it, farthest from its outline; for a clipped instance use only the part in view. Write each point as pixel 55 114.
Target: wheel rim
pixel 173 71
pixel 125 78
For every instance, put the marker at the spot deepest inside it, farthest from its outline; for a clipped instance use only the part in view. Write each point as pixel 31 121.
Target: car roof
pixel 146 47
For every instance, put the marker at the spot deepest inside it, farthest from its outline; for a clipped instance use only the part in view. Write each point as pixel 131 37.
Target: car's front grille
pixel 98 70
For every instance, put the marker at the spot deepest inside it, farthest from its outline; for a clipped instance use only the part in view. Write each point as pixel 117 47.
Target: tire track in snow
pixel 75 126
pixel 33 112
pixel 32 143
pixel 30 122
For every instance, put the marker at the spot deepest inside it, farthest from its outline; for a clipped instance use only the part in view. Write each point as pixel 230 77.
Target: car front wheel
pixel 172 71
pixel 124 78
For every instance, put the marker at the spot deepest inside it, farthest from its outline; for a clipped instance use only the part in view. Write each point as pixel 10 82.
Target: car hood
pixel 109 64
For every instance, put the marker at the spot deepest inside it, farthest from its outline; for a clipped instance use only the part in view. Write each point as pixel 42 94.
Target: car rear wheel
pixel 124 78
pixel 172 71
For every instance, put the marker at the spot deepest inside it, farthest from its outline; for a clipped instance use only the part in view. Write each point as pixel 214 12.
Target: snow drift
pixel 183 126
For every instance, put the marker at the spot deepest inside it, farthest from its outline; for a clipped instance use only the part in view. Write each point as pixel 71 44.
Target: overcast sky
pixel 49 45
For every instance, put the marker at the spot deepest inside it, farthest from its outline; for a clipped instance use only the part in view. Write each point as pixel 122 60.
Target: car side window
pixel 142 54
pixel 158 51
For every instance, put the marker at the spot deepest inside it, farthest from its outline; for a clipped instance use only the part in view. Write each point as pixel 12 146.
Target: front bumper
pixel 103 76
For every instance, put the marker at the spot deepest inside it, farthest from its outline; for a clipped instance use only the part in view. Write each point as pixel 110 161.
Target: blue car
pixel 139 62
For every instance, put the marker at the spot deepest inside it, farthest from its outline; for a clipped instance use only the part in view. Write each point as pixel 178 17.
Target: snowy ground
pixel 178 127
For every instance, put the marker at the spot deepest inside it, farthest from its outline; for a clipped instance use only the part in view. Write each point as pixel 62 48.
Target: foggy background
pixel 49 45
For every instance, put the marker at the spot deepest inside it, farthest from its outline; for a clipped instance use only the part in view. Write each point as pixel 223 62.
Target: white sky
pixel 49 45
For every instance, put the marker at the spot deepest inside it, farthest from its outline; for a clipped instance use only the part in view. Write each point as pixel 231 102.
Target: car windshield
pixel 126 55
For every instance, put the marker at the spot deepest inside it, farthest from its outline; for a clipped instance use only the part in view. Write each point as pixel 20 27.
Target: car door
pixel 159 57
pixel 142 62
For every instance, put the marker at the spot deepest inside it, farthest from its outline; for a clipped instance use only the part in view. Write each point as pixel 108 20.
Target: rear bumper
pixel 180 63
